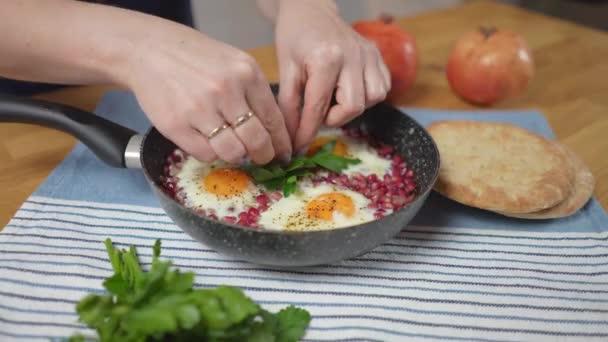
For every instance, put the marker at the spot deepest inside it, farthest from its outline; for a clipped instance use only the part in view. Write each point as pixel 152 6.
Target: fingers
pixel 363 83
pixel 268 118
pixel 350 96
pixel 290 95
pixel 386 75
pixel 247 126
pixel 193 143
pixel 225 142
pixel 317 97
pixel 376 86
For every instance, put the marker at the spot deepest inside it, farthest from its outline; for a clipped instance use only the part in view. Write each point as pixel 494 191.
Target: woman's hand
pixel 191 85
pixel 188 84
pixel 318 54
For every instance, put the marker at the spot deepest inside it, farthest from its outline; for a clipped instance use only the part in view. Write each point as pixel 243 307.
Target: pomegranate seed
pixel 387 178
pixel 410 174
pixel 176 158
pixel 388 205
pixel 170 186
pixel 397 179
pixel 253 212
pixel 385 149
pixel 243 216
pixel 275 196
pixel 262 199
pixel 372 205
pixel 372 178
pixel 166 170
pixel 376 193
pixel 398 201
pixel 262 207
pixel 213 217
pixel 242 222
pixel 229 219
pixel 410 187
pixel 378 215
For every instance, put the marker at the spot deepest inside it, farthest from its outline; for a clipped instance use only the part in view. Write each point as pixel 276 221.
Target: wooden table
pixel 570 88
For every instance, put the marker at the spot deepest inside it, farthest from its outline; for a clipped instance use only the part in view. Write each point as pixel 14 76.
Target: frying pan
pixel 122 147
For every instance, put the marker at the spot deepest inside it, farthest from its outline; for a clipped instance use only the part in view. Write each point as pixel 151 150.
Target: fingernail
pixel 285 157
pixel 245 161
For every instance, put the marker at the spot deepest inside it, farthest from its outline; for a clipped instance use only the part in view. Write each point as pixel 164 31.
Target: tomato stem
pixel 386 18
pixel 487 31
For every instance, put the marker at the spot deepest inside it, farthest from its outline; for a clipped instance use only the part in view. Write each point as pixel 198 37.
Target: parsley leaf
pixel 161 304
pixel 327 148
pixel 334 163
pixel 290 322
pixel 290 186
pixel 275 177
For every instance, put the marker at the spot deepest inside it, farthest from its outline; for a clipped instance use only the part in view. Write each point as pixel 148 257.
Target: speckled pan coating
pixel 294 249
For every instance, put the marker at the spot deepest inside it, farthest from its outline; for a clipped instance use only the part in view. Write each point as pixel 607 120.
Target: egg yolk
pixel 226 181
pixel 323 206
pixel 339 149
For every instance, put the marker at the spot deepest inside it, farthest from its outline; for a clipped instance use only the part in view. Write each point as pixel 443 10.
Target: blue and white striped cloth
pixel 456 273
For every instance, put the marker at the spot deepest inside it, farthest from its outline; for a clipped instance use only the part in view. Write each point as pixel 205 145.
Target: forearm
pixel 66 41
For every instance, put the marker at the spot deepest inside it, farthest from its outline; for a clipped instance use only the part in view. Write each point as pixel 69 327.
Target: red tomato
pixel 398 49
pixel 489 65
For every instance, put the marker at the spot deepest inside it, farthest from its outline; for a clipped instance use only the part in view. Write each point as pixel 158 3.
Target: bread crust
pixel 500 167
pixel 584 184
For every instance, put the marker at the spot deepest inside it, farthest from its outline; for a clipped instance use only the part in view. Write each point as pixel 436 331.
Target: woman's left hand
pixel 318 54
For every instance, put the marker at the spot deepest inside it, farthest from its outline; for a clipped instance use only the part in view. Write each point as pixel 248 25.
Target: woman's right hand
pixel 190 85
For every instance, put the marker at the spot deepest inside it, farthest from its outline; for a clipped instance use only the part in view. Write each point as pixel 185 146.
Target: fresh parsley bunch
pixel 162 305
pixel 275 177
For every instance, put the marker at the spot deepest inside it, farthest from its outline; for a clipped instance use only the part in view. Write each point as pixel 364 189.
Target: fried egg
pixel 224 188
pixel 371 161
pixel 320 207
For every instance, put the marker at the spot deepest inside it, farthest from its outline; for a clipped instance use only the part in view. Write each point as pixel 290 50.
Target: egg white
pixel 371 161
pixel 197 196
pixel 290 213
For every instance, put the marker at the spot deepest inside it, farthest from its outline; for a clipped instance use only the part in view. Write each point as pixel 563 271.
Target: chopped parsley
pixel 277 177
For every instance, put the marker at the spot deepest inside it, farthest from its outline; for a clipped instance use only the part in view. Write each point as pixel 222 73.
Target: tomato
pixel 488 65
pixel 398 49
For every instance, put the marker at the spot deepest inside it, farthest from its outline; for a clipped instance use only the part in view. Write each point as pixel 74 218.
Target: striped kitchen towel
pixel 455 273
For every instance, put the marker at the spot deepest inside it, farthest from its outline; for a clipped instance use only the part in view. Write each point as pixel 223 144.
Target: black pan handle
pixel 106 139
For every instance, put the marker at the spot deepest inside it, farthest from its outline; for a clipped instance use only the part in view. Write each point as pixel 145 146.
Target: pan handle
pixel 108 140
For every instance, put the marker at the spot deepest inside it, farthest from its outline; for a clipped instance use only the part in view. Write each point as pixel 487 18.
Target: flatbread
pixel 584 183
pixel 500 167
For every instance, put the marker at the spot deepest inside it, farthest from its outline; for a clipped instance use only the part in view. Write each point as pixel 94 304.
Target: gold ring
pixel 242 119
pixel 217 131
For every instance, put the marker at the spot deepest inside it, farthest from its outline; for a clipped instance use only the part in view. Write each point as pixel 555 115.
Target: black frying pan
pixel 119 146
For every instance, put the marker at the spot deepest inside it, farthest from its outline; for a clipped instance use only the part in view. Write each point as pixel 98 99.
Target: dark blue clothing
pixel 175 10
